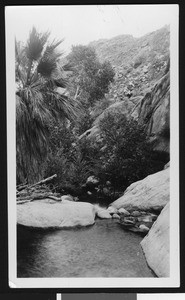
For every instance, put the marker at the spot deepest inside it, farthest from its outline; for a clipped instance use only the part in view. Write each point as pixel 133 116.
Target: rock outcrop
pixel 156 245
pixel 154 111
pixel 151 193
pixel 40 214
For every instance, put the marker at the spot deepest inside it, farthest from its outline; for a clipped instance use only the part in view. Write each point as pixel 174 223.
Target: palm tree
pixel 39 100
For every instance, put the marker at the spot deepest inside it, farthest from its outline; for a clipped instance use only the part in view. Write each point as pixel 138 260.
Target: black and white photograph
pixel 92 144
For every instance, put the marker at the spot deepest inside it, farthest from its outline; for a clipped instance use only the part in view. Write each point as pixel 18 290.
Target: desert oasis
pixel 93 156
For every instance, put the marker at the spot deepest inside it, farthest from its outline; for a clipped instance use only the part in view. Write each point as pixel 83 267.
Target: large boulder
pixel 40 214
pixel 156 245
pixel 151 193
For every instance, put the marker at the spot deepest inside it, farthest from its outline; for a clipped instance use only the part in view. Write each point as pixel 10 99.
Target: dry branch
pixel 35 184
pixel 25 200
pixel 37 191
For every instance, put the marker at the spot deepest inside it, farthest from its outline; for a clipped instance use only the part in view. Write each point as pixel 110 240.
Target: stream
pixel 101 250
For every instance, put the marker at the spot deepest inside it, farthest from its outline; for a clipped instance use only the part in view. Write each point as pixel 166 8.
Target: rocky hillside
pixel 138 62
pixel 153 110
pixel 142 82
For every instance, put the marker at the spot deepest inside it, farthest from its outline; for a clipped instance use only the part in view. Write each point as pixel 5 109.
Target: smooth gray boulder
pixel 123 212
pixel 112 210
pixel 156 245
pixel 67 197
pixel 151 193
pixel 40 214
pixel 101 212
pixel 115 216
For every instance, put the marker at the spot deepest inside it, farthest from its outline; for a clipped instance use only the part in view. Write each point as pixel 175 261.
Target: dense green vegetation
pixel 55 104
pixel 90 78
pixel 38 75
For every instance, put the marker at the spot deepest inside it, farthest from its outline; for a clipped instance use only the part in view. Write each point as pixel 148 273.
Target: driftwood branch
pixel 34 199
pixel 35 184
pixel 43 181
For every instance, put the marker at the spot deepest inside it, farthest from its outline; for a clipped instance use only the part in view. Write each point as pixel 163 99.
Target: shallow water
pixel 101 250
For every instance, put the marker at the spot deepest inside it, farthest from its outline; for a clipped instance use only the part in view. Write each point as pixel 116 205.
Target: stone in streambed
pixel 135 213
pixel 101 212
pixel 123 211
pixel 112 210
pixel 37 214
pixel 67 197
pixel 115 216
pixel 144 228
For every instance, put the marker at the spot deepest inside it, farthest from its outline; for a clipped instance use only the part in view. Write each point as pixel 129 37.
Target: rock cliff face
pixel 151 193
pixel 154 111
pixel 156 245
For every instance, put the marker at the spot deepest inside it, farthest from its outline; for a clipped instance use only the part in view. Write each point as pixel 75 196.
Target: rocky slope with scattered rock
pixel 141 88
pixel 152 110
pixel 138 62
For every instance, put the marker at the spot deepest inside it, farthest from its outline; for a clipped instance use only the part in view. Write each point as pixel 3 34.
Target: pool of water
pixel 101 250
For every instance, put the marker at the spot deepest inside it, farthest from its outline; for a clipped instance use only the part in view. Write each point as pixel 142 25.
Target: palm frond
pixel 67 67
pixel 38 75
pixel 35 44
pixel 46 67
pixel 48 62
pixel 65 106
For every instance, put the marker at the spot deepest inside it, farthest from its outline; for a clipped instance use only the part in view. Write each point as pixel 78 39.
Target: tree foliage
pixel 126 153
pixel 90 78
pixel 39 77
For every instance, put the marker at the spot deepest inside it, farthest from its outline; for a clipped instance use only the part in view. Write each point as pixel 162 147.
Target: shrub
pixel 139 60
pixel 71 159
pixel 126 153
